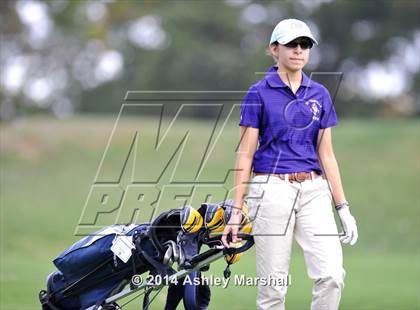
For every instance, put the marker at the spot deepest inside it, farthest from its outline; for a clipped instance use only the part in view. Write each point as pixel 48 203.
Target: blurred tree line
pixel 65 57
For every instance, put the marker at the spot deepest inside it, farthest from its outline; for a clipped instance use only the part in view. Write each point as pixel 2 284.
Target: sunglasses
pixel 303 43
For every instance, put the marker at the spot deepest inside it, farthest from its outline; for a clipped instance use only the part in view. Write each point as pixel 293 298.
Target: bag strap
pixel 146 299
pixel 45 300
pixel 158 266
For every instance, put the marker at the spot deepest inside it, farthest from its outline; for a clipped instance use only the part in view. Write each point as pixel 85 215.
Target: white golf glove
pixel 349 225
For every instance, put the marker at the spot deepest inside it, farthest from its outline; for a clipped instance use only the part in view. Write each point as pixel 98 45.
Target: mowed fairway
pixel 48 167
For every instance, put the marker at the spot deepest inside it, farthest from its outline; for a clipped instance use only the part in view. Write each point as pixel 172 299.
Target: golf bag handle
pixel 216 239
pixel 226 251
pixel 249 242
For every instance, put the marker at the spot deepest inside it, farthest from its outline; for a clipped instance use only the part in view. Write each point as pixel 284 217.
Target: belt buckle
pixel 300 176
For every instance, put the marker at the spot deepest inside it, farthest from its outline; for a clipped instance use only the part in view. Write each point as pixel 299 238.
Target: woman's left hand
pixel 349 224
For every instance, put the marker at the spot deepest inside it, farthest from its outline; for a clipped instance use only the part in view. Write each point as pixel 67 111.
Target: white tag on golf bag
pixel 122 246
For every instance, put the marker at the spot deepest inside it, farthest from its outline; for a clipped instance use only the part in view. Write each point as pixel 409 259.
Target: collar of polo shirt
pixel 275 81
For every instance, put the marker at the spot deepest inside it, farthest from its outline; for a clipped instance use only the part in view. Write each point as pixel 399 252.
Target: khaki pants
pixel 281 210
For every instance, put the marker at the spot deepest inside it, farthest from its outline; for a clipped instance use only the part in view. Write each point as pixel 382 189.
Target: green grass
pixel 48 167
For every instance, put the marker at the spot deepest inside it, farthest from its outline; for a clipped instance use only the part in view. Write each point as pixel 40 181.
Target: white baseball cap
pixel 289 29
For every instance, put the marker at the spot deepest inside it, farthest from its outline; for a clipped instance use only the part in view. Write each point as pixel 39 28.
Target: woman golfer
pixel 295 174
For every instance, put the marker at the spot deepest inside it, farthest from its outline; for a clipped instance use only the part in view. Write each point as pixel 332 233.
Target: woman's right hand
pixel 232 228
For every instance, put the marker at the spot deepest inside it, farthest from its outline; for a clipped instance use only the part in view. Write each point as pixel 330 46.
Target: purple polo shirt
pixel 288 123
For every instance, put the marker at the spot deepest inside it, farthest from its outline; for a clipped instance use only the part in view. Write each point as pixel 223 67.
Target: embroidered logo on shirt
pixel 315 107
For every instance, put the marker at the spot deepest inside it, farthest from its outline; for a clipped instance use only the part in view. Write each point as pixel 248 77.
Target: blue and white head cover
pixel 289 29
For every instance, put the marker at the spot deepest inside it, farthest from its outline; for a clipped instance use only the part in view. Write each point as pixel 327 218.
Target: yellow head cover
pixel 214 218
pixel 191 219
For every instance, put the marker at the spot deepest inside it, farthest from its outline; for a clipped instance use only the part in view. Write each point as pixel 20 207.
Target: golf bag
pixel 100 265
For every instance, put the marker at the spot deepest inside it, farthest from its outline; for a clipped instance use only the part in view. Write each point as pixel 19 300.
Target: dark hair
pixel 268 51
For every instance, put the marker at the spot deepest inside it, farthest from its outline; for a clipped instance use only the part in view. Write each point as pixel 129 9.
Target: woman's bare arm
pixel 247 148
pixel 332 173
pixel 329 164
